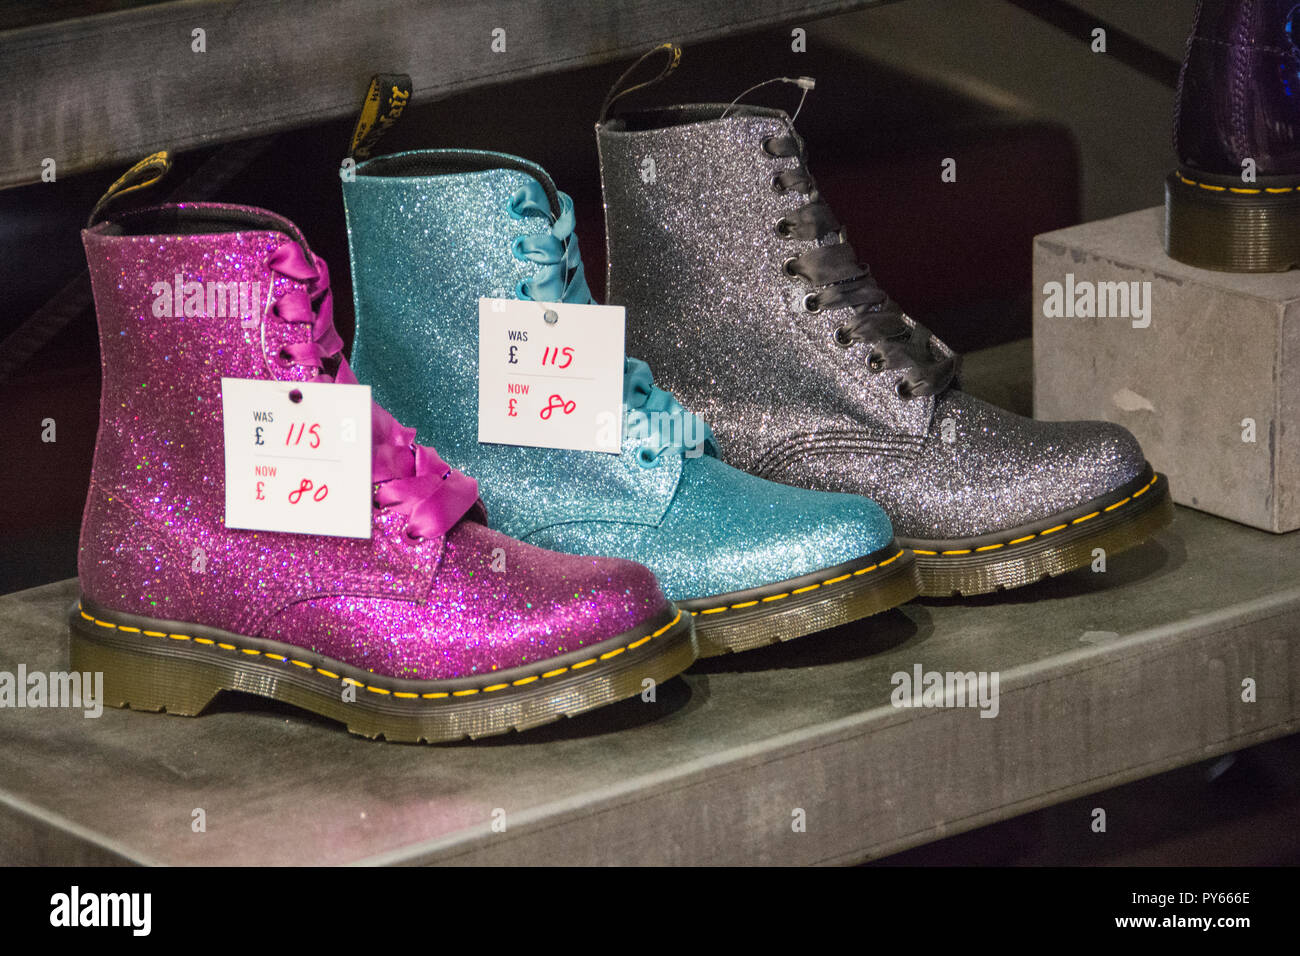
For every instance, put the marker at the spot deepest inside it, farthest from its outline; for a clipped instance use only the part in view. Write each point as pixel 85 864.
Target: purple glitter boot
pixel 433 628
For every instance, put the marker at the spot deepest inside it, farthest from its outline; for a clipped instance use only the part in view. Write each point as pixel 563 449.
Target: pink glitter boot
pixel 433 628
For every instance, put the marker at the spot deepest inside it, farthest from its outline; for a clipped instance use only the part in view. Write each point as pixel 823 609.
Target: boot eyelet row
pixel 764 147
pixel 810 303
pixel 875 363
pixel 842 337
pixel 784 228
pixel 785 267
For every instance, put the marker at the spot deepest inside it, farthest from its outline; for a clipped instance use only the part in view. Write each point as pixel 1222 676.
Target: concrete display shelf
pixel 1184 648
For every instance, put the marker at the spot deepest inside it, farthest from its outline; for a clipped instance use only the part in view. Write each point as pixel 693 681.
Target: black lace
pixel 840 281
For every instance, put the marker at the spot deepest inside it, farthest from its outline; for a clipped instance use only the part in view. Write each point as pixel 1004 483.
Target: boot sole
pixel 1230 226
pixel 179 668
pixel 744 620
pixel 1057 545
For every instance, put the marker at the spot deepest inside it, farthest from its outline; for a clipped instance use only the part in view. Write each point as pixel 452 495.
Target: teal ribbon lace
pixel 560 278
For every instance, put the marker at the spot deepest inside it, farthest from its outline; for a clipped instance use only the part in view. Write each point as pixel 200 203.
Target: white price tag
pixel 550 375
pixel 297 457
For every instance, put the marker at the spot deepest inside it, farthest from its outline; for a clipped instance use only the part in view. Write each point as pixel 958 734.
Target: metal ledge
pixel 109 88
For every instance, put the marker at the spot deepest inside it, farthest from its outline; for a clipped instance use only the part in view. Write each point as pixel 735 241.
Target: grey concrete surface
pixel 1219 353
pixel 1104 678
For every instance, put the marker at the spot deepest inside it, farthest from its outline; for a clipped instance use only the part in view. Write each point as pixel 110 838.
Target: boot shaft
pixel 432 231
pixel 699 245
pixel 429 233
pixel 1236 97
pixel 187 295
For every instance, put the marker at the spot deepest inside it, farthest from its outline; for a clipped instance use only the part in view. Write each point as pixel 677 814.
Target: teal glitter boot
pixel 756 562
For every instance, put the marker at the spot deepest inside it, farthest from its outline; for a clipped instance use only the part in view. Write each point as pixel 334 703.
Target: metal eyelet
pixel 514 248
pixel 284 358
pixel 900 388
pixel 411 538
pixel 842 337
pixel 646 458
pixel 784 228
pixel 520 291
pixel 785 267
pixel 810 303
pixel 776 185
pixel 763 145
pixel 876 363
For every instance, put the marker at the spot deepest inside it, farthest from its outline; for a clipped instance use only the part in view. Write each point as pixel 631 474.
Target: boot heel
pixel 1216 226
pixel 143 681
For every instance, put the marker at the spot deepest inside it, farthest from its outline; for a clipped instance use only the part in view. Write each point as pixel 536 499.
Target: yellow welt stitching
pixel 129 630
pixel 614 653
pixel 147 633
pixel 966 551
pixel 1233 189
pixel 526 680
pixel 86 616
pixel 665 627
pixel 493 687
pixel 1286 190
pixel 1028 537
pixel 635 644
pixel 274 657
pixel 251 653
pixel 435 695
pixel 354 683
pixel 302 664
pixel 865 570
pixel 811 587
pixel 777 597
pixel 330 674
pixel 1217 189
pixel 404 694
pixel 1119 503
pixel 713 610
pixel 374 690
pixel 1085 518
pixel 1054 530
pixel 588 662
pixel 890 560
pixel 464 693
pixel 919 551
pixel 991 547
pixel 842 577
pixel 208 640
pixel 555 673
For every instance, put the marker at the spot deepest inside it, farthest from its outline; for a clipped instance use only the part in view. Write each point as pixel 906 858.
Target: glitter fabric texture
pixel 695 256
pixel 153 538
pixel 430 233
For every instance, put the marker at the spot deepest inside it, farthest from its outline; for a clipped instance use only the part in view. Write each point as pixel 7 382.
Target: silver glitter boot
pixel 744 295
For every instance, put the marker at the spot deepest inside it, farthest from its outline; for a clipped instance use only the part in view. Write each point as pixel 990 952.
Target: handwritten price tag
pixel 297 457
pixel 550 375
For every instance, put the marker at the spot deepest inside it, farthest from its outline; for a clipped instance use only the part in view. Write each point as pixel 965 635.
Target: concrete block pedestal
pixel 1203 367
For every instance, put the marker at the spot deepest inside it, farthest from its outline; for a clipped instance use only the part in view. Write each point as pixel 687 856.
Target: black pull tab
pixel 142 175
pixel 674 57
pixel 382 108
